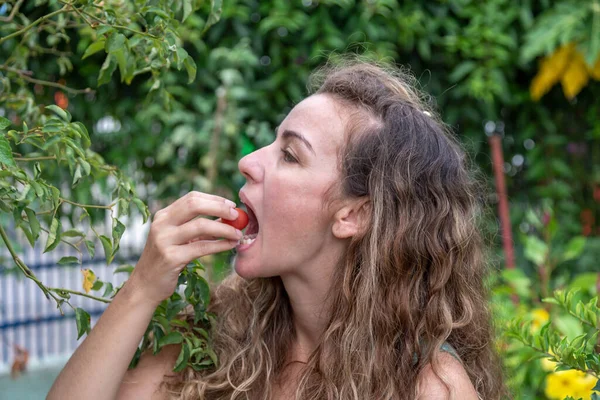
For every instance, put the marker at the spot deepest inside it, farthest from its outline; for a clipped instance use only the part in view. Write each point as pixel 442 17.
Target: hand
pixel 177 237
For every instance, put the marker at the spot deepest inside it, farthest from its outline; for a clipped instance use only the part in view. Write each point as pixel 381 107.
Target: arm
pixel 99 363
pixel 96 369
pixel 143 382
pixel 457 384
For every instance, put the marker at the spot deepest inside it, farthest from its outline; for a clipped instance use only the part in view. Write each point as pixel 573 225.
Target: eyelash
pixel 287 154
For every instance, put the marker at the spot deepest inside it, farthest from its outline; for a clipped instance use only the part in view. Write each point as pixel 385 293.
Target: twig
pixel 36 22
pixel 13 12
pixel 34 158
pixel 87 205
pixel 80 294
pixel 22 266
pixel 25 76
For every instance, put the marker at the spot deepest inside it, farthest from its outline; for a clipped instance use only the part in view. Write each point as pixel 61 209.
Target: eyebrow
pixel 289 134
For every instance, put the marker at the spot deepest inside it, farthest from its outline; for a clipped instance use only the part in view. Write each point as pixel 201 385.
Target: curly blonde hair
pixel 411 281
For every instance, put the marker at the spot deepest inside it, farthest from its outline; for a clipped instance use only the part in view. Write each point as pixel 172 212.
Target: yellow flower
pixel 548 365
pixel 540 317
pixel 571 382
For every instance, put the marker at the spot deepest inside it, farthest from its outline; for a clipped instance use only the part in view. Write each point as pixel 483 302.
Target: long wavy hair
pixel 410 281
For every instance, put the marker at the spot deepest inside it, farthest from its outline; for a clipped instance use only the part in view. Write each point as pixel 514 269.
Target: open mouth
pixel 252 228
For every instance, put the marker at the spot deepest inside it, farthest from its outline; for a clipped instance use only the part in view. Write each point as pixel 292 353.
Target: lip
pixel 246 201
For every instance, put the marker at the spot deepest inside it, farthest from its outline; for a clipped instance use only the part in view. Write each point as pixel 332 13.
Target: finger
pixel 198 195
pixel 203 237
pixel 205 247
pixel 204 228
pixel 193 207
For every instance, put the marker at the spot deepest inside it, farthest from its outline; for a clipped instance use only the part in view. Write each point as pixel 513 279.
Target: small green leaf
pixel 68 260
pixel 172 338
pixel 183 358
pixel 124 268
pixel 73 233
pixel 83 322
pixel 108 289
pixel 216 7
pixel 97 285
pixel 91 248
pixel 142 208
pixel 187 9
pixel 108 68
pixel 94 48
pixel 107 245
pixel 574 248
pixel 6 157
pixel 63 114
pixel 34 224
pixel 4 123
pixel 190 67
pixel 53 235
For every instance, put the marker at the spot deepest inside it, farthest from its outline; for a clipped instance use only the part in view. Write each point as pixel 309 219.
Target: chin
pixel 248 272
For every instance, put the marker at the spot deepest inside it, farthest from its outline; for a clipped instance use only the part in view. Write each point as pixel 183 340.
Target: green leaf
pixel 34 224
pixel 68 260
pixel 183 358
pixel 97 285
pixel 91 248
pixel 216 7
pixel 94 48
pixel 187 9
pixel 63 114
pixel 462 70
pixel 73 233
pixel 107 245
pixel 83 322
pixel 85 137
pixel 190 67
pixel 142 208
pixel 172 338
pixel 124 268
pixel 108 67
pixel 108 289
pixel 6 157
pixel 116 45
pixel 574 248
pixel 597 386
pixel 535 250
pixel 53 235
pixel 4 123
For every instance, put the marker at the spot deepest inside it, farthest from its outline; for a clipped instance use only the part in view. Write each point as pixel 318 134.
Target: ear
pixel 350 219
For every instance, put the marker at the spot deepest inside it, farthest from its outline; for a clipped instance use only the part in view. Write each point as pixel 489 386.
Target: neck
pixel 308 292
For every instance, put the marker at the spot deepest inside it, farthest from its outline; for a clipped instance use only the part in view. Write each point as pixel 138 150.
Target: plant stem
pixel 87 205
pixel 34 158
pixel 89 296
pixel 25 76
pixel 36 22
pixel 24 268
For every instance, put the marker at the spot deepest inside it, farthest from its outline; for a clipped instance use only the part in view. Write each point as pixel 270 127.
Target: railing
pixel 32 322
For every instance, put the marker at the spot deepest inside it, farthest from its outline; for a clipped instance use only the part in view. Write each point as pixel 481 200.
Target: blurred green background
pixel 527 70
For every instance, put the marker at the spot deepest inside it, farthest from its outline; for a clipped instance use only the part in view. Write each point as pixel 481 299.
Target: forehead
pixel 321 120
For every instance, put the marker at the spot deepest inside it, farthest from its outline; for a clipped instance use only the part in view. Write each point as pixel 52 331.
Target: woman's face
pixel 286 191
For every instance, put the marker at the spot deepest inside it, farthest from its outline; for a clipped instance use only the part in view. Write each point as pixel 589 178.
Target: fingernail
pixel 234 213
pixel 239 233
pixel 231 203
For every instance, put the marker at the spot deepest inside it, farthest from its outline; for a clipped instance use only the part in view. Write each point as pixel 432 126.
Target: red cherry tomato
pixel 240 222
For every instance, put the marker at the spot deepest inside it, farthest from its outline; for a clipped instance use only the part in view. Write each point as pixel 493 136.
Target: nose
pixel 251 167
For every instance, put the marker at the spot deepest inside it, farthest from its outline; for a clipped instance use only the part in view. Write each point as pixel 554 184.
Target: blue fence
pixel 29 320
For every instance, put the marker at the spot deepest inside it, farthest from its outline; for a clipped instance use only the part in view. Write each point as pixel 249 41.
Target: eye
pixel 287 157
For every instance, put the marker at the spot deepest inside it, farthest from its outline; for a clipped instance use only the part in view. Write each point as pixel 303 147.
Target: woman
pixel 364 280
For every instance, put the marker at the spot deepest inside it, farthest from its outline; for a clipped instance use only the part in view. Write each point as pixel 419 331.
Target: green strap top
pixel 447 347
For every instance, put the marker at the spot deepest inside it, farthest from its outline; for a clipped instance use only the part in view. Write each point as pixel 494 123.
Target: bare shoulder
pixel 455 384
pixel 144 380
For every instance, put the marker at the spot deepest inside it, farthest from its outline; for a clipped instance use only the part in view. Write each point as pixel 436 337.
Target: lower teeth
pixel 248 239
